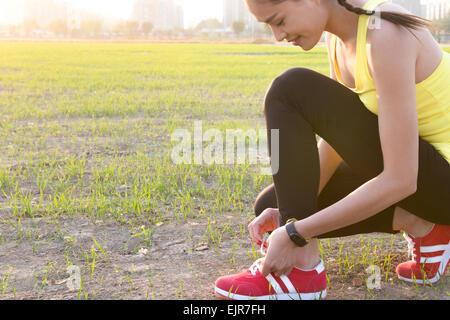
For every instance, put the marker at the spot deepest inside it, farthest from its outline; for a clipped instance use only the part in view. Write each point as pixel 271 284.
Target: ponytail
pixel 406 20
pixel 409 21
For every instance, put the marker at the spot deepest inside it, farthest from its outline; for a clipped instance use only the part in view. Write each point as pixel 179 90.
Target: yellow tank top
pixel 432 94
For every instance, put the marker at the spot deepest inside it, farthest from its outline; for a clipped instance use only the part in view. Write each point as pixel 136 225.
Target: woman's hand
pixel 281 254
pixel 267 221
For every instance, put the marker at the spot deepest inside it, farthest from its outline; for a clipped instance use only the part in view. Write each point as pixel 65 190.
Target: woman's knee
pixel 259 207
pixel 294 80
pixel 266 199
pixel 293 75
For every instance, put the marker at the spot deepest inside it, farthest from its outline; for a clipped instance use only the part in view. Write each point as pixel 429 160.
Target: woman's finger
pixel 257 233
pixel 254 232
pixel 277 223
pixel 286 272
pixel 266 268
pixel 281 271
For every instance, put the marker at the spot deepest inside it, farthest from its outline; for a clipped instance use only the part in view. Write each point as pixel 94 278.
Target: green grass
pixel 175 81
pixel 85 132
pixel 86 127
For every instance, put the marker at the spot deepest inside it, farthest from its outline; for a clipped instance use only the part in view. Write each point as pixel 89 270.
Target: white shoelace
pixel 411 246
pixel 256 266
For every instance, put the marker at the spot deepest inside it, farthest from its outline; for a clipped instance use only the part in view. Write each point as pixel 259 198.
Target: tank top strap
pixel 361 56
pixel 364 22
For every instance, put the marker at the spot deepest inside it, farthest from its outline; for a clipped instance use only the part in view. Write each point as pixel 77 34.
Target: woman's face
pixel 301 22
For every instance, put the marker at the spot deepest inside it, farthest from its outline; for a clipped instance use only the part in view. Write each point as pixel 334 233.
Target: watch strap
pixel 295 236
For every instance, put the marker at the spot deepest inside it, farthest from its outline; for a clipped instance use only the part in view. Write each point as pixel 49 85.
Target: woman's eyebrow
pixel 270 18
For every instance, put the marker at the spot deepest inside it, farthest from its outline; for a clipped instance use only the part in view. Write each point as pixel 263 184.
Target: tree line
pixel 130 28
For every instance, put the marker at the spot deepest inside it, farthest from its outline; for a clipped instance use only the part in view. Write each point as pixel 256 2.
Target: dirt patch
pixel 170 261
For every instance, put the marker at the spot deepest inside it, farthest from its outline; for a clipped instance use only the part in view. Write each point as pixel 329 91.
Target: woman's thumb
pixel 254 232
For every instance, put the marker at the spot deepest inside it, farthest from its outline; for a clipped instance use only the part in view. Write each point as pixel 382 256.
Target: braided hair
pixel 358 11
pixel 409 21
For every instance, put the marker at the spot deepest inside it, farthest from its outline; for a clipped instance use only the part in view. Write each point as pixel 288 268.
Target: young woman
pixel 382 163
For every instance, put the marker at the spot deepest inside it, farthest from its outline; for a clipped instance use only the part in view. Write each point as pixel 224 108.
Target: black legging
pixel 302 103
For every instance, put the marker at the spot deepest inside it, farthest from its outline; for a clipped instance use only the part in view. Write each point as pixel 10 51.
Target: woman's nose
pixel 280 35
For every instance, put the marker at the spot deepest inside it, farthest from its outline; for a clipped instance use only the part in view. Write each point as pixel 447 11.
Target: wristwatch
pixel 294 235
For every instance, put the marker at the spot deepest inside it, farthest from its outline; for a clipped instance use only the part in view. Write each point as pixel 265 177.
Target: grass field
pixel 92 205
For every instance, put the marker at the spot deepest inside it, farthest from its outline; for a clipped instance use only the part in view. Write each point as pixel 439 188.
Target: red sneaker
pixel 430 256
pixel 250 284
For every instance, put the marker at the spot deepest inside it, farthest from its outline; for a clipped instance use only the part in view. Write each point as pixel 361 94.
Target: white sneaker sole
pixel 286 296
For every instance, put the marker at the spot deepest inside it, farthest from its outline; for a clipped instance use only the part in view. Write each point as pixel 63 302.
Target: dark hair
pixel 408 21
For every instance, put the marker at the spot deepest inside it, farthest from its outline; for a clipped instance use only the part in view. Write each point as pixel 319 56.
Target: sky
pixel 194 10
pixel 197 10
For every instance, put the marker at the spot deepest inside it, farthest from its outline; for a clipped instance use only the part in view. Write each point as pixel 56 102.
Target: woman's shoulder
pixel 420 41
pixel 386 27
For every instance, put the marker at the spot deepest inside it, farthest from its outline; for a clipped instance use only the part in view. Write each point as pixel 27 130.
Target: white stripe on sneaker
pixel 445 259
pixel 274 284
pixel 430 259
pixel 288 284
pixel 436 248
